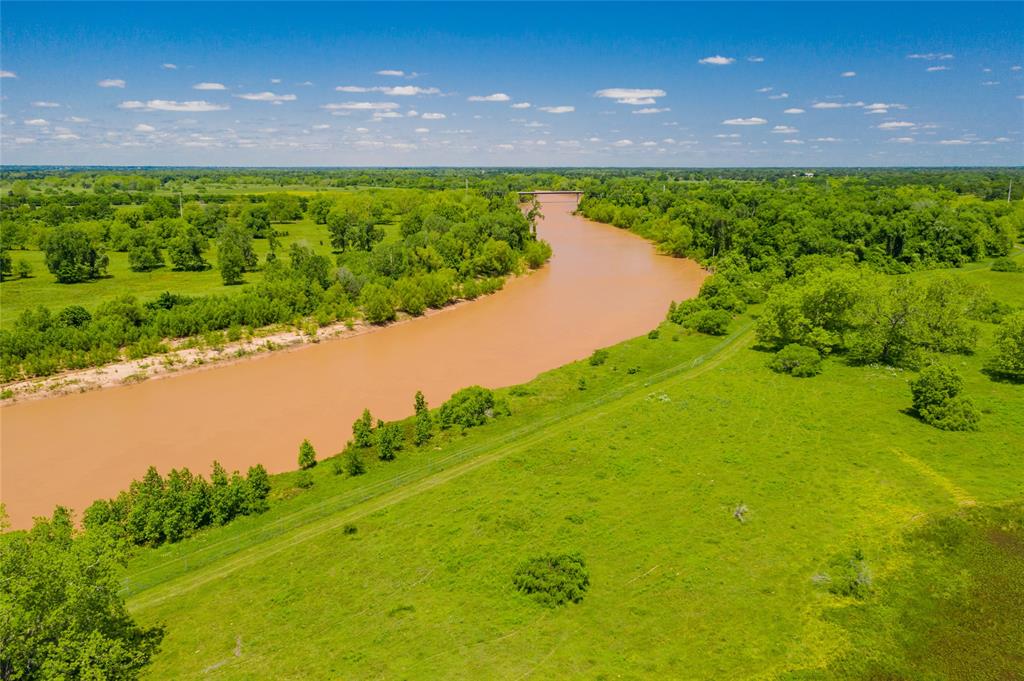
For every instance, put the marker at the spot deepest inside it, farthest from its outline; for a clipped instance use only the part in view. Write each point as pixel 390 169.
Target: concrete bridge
pixel 547 192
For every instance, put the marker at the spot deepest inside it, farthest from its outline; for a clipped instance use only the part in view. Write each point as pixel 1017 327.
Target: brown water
pixel 602 286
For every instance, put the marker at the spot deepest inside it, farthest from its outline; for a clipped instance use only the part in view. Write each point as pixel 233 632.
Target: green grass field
pixel 641 472
pixel 17 295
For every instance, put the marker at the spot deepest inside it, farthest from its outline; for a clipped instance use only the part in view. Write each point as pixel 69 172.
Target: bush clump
pixel 468 407
pixel 937 400
pixel 1005 265
pixel 553 579
pixel 797 360
pixel 1008 361
pixel 598 358
pixel 849 575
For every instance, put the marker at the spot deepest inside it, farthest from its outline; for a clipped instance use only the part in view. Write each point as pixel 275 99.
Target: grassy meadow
pixel 641 467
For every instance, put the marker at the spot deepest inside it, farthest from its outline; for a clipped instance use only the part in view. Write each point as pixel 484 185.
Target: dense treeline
pixel 451 245
pixel 893 229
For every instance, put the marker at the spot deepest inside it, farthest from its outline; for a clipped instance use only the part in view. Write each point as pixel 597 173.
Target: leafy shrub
pixel 1005 265
pixel 537 253
pixel 712 322
pixel 653 334
pixel 303 480
pixel 468 407
pixel 354 464
pixel 937 400
pixel 389 440
pixel 850 575
pixel 797 360
pixel 1009 345
pixel 307 455
pixel 598 358
pixel 553 579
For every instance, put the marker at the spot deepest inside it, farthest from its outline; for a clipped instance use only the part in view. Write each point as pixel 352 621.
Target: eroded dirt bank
pixel 602 286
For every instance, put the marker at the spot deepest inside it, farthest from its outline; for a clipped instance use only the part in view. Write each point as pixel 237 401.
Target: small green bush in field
pixel 797 360
pixel 552 579
pixel 598 358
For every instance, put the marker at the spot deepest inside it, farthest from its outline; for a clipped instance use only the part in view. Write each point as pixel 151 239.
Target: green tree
pixel 255 217
pixel 424 423
pixel 22 269
pixel 259 489
pixel 378 303
pixel 186 247
pixel 63 616
pixel 354 464
pixel 937 400
pixel 307 455
pixel 1009 348
pixel 319 209
pixel 389 440
pixel 72 256
pixel 468 407
pixel 144 253
pixel 6 266
pixel 362 430
pixel 235 254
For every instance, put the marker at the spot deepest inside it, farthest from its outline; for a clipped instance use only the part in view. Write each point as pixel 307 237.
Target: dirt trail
pixel 603 285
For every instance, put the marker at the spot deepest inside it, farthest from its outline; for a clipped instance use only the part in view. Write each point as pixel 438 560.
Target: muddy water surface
pixel 602 286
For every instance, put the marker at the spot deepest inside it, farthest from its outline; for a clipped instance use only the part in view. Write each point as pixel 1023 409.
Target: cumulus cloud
pixel 762 90
pixel 45 105
pixel 933 69
pixel 142 127
pixel 433 116
pixel 882 107
pixel 422 130
pixel 651 110
pixel 622 143
pixel 956 142
pixel 744 121
pixel 725 136
pixel 848 74
pixel 521 105
pixel 990 82
pixel 9 74
pixel 794 110
pixel 895 125
pixel 361 106
pixel 77 119
pixel 836 105
pixel 191 106
pixel 322 126
pixel 826 139
pixel 111 82
pixel 633 96
pixel 717 60
pixel 784 130
pixel 66 136
pixel 393 91
pixel 930 56
pixel 557 109
pixel 391 72
pixel 504 147
pixel 209 86
pixel 755 60
pixel 169 67
pixel 266 97
pixel 781 95
pixel 496 97
pixel 792 141
pixel 37 122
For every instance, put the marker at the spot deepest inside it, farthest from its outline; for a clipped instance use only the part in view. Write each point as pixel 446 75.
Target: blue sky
pixel 493 84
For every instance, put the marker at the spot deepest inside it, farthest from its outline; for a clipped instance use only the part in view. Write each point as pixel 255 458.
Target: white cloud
pixel 932 69
pixel 377 115
pixel 762 90
pixel 111 82
pixel 990 82
pixel 793 111
pixel 391 72
pixel 781 95
pixel 744 121
pixel 266 97
pixel 521 105
pixel 142 127
pixel 557 109
pixel 395 91
pixel 275 81
pixel 792 141
pixel 651 110
pixel 632 96
pixel 191 106
pixel 169 67
pixel 836 105
pixel 361 106
pixel 954 142
pixel 826 139
pixel 24 140
pixel 1016 67
pixel 37 122
pixel 9 74
pixel 362 130
pixel 725 136
pixel 322 126
pixel 784 130
pixel 45 105
pixel 756 60
pixel 882 107
pixel 895 125
pixel 209 86
pixel 77 119
pixel 422 130
pixel 65 136
pixel 433 116
pixel 717 60
pixel 848 74
pixel 504 147
pixel 623 143
pixel 931 56
pixel 496 97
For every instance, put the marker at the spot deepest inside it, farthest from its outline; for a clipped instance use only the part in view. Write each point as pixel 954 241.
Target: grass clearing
pixel 639 473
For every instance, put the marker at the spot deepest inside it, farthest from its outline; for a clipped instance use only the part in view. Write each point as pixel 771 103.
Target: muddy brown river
pixel 602 286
